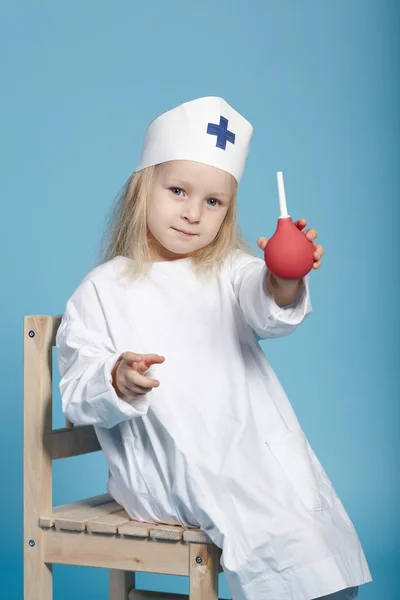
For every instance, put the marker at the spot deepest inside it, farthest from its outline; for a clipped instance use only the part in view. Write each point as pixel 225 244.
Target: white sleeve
pixel 260 311
pixel 86 355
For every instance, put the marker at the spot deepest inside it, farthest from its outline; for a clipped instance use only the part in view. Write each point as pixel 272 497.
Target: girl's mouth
pixel 187 233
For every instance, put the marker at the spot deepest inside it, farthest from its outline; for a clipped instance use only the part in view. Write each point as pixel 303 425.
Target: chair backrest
pixel 42 444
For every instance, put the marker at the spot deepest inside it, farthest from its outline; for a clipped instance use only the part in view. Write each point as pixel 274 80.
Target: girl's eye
pixel 176 191
pixel 214 201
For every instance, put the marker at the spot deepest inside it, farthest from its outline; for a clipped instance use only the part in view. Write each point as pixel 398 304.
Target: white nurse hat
pixel 205 130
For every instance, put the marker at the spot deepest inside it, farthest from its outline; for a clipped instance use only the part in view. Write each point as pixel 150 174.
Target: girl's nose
pixel 191 213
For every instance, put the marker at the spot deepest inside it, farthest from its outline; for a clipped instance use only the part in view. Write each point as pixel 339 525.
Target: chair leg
pixel 203 572
pixel 121 582
pixel 38 579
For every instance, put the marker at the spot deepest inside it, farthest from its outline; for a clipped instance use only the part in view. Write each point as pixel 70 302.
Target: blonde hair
pixel 127 234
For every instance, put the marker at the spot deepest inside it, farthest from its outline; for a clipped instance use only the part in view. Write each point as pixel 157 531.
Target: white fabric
pixel 181 134
pixel 347 594
pixel 217 445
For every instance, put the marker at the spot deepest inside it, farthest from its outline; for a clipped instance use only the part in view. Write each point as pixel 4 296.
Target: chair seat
pixel 101 514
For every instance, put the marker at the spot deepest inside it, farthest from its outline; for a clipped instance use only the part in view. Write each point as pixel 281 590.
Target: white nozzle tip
pixel 281 195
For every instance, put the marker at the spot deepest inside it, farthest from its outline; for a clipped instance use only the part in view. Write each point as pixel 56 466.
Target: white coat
pixel 217 445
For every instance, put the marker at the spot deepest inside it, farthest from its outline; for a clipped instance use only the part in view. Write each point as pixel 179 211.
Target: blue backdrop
pixel 80 81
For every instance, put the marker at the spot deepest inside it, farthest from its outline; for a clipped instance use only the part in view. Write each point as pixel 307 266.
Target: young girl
pixel 158 349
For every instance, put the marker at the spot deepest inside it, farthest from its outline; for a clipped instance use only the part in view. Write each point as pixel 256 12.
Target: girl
pixel 158 349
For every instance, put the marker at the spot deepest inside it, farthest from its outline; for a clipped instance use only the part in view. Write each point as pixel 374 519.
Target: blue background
pixel 319 80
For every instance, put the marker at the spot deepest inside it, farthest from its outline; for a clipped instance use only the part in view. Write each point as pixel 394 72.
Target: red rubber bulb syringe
pixel 288 254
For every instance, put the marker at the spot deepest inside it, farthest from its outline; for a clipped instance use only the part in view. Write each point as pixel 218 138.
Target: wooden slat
pixel 64 509
pixel 135 529
pixel 39 331
pixel 166 532
pixel 108 523
pixel 196 536
pixel 74 441
pixel 115 552
pixel 77 520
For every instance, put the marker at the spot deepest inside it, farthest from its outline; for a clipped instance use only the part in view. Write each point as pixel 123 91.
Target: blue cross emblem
pixel 222 133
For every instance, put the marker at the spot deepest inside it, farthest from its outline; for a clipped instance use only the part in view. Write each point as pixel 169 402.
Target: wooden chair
pixel 95 531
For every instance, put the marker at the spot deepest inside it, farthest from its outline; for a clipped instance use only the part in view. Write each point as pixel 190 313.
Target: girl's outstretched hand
pixel 310 233
pixel 128 373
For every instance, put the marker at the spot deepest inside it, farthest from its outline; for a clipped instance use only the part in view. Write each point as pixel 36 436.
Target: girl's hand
pixel 128 373
pixel 311 234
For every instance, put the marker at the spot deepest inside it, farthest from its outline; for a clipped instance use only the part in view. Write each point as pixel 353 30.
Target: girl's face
pixel 187 205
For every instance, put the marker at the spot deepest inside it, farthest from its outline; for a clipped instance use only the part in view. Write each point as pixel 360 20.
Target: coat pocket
pixel 291 451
